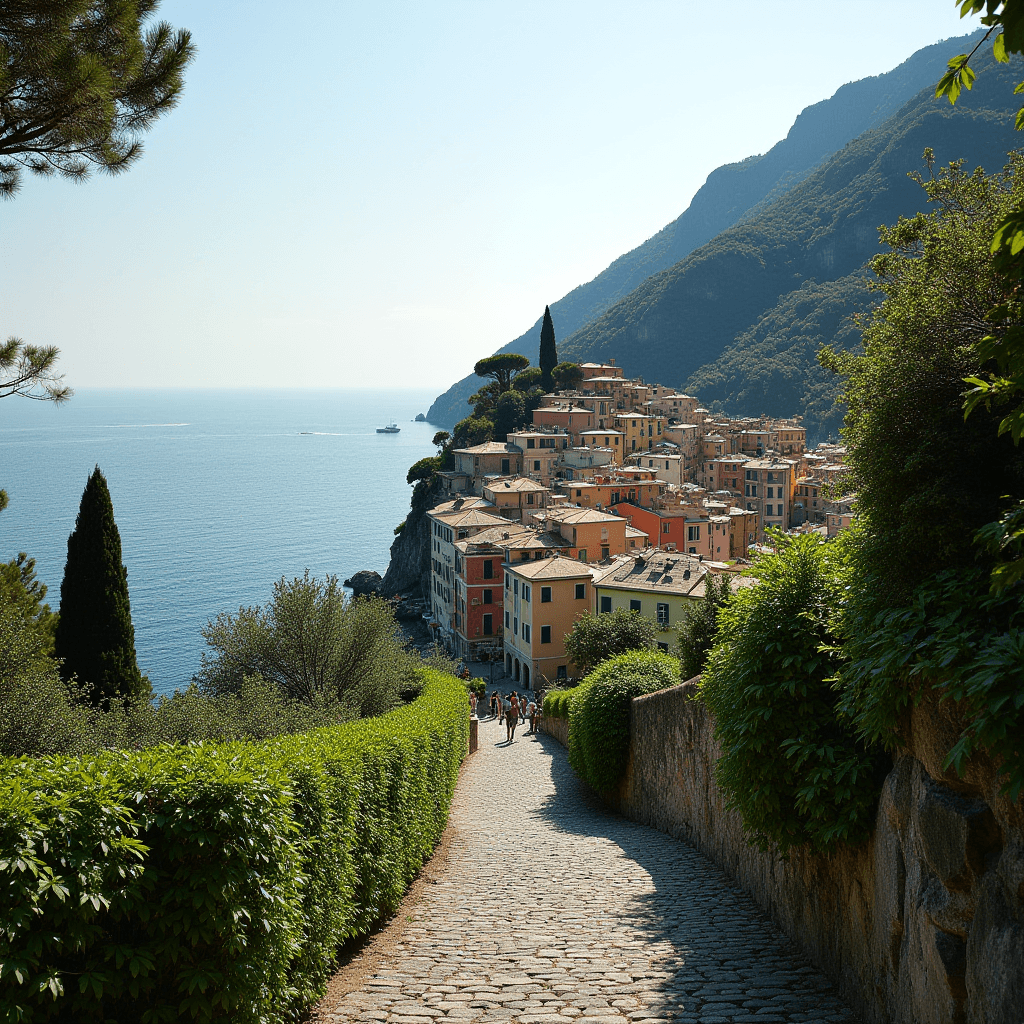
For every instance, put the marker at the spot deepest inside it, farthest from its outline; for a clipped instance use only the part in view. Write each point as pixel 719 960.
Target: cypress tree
pixel 548 356
pixel 95 636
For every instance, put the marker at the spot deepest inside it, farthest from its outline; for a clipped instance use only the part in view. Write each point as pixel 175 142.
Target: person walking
pixel 531 712
pixel 494 703
pixel 512 716
pixel 472 704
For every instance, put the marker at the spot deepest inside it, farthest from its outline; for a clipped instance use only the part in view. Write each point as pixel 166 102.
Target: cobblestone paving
pixel 552 909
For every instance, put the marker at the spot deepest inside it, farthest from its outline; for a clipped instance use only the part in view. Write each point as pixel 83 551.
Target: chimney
pixel 611 362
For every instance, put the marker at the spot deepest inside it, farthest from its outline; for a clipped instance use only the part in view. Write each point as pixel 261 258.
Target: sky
pixel 377 194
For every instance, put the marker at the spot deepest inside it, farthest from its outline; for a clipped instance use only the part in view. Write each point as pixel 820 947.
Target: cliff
pixel 408 572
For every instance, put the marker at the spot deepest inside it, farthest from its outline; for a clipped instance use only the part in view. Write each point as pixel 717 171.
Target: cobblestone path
pixel 549 908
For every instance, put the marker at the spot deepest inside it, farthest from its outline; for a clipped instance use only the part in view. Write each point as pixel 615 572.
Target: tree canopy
pixel 501 368
pixel 81 82
pixel 595 638
pixel 567 376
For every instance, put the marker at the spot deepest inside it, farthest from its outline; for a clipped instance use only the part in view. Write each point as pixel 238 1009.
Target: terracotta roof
pixel 472 517
pixel 519 483
pixel 490 448
pixel 553 568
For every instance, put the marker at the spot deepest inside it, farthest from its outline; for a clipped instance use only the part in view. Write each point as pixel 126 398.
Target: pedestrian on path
pixel 502 708
pixel 531 711
pixel 472 704
pixel 512 716
pixel 494 703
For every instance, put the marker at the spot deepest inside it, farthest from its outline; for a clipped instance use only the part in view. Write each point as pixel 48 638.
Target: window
pixel 583 554
pixel 529 497
pixel 693 533
pixel 606 604
pixel 771 490
pixel 530 443
pixel 526 592
pixel 506 619
pixel 515 627
pixel 508 581
pixel 545 595
pixel 666 527
pixel 581 591
pixel 561 672
pixel 634 605
pixel 536 463
pixel 526 632
pixel 524 556
pixel 768 510
pixel 515 587
pixel 605 551
pixel 488 569
pixel 753 490
pixel 545 634
pixel 488 625
pixel 488 597
pixel 662 614
pixel 504 467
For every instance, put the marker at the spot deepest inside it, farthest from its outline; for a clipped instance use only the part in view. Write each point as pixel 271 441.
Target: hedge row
pixel 215 881
pixel 556 702
pixel 600 711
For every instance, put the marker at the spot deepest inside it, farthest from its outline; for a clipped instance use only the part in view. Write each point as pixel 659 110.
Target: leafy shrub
pixel 315 645
pixel 477 686
pixel 594 638
pixel 792 767
pixel 699 626
pixel 956 641
pixel 599 712
pixel 215 880
pixel 557 702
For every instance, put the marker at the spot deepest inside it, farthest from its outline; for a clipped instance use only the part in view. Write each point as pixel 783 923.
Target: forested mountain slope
pixel 730 192
pixel 708 319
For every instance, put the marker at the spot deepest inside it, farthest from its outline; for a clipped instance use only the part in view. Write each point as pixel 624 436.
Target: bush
pixel 599 713
pixel 557 702
pixel 215 881
pixel 699 628
pixel 791 765
pixel 594 638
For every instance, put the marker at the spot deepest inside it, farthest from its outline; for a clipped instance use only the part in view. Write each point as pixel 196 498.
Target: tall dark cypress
pixel 548 356
pixel 95 636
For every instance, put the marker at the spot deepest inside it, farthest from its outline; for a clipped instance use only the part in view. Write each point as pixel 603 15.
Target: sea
pixel 217 494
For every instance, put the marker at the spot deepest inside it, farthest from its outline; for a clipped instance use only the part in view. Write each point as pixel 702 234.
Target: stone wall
pixel 923 924
pixel 557 727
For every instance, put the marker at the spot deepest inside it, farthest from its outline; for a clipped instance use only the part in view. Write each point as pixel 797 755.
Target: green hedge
pixel 215 881
pixel 556 702
pixel 599 713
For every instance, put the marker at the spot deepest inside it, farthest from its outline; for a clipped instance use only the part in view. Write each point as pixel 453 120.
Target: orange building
pixel 542 601
pixel 516 496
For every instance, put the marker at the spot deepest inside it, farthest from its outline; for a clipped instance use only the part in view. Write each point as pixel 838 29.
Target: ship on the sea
pixel 391 428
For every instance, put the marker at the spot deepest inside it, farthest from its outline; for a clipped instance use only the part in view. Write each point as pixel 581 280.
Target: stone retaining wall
pixel 557 727
pixel 922 924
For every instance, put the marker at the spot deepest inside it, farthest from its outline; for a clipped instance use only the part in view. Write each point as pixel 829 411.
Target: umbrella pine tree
pixel 95 637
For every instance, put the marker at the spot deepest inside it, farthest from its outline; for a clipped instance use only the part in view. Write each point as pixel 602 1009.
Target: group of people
pixel 510 709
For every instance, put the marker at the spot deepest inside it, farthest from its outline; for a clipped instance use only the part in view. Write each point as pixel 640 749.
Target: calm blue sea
pixel 217 494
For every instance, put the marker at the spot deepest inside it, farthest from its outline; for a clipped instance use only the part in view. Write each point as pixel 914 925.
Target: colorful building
pixel 542 600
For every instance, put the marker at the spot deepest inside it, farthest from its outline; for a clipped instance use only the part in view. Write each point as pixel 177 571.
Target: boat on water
pixel 391 428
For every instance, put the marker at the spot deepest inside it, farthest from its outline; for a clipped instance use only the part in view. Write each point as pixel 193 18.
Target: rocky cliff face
pixel 408 572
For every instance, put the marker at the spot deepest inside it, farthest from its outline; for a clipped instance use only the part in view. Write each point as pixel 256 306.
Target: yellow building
pixel 640 431
pixel 542 601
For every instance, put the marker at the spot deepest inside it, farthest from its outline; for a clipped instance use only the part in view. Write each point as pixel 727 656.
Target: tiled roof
pixel 553 568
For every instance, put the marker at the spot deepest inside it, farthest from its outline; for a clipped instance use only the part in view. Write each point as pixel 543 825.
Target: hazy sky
pixel 372 193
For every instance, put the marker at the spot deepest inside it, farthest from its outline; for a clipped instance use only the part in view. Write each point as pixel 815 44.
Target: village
pixel 619 494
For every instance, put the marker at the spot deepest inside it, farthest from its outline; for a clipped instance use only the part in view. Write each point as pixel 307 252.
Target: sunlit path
pixel 550 908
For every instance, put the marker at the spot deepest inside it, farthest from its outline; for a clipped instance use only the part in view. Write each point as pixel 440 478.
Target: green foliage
pixel 599 712
pixel 473 430
pixel 215 881
pixel 548 358
pixel 509 413
pixel 926 479
pixel 699 627
pixel 425 469
pixel 83 80
pixel 567 376
pixel 955 642
pixel 22 597
pixel 527 380
pixel 792 767
pixel 400 527
pixel 30 370
pixel 314 645
pixel 593 638
pixel 558 702
pixel 501 368
pixel 95 637
pixel 477 686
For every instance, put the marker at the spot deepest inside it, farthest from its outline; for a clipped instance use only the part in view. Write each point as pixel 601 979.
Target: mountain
pixel 708 319
pixel 731 192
